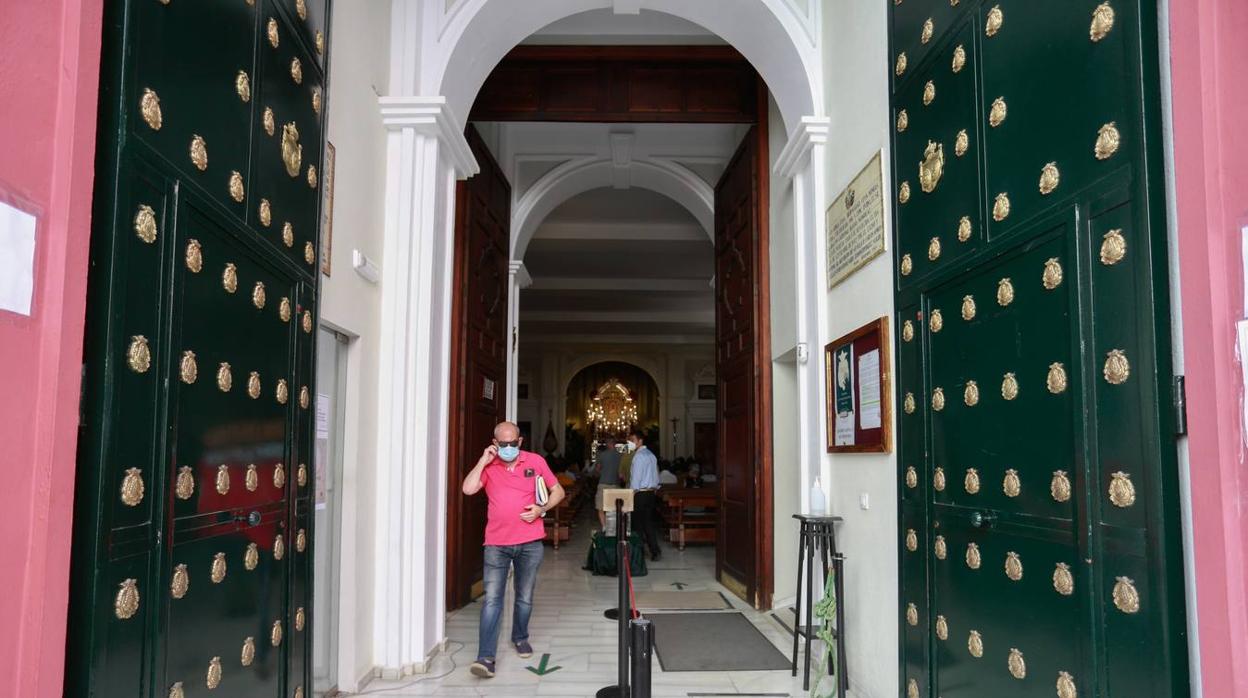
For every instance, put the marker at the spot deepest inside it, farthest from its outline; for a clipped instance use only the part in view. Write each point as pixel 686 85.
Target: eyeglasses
pixel 505 444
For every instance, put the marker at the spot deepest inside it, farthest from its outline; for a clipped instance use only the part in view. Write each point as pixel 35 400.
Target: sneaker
pixel 483 668
pixel 524 649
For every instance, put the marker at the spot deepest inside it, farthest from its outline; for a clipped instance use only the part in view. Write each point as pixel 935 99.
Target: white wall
pixel 359 50
pixel 855 65
pixel 786 486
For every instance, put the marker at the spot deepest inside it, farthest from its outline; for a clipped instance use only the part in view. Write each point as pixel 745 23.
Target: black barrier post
pixel 643 650
pixel 620 689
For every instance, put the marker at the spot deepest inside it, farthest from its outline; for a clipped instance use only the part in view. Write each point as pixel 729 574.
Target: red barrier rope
pixel 632 596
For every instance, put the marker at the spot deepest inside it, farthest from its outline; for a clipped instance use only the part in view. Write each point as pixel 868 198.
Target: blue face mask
pixel 509 453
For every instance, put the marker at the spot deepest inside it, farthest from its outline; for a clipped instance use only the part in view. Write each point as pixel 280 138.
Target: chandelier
pixel 611 409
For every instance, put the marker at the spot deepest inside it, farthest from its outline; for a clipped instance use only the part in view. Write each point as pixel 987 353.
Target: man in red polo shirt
pixel 513 536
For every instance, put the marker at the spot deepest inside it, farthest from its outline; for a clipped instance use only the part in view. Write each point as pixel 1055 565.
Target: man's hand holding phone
pixel 488 456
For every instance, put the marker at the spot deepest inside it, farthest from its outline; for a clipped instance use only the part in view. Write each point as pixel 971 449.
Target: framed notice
pixel 327 209
pixel 859 400
pixel 855 224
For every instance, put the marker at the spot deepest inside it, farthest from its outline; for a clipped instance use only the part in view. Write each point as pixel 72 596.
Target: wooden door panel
pixel 910 34
pixel 934 112
pixel 479 362
pixel 198 388
pixel 1005 590
pixel 243 604
pixel 190 58
pixel 1001 359
pixel 743 448
pixel 1035 373
pixel 298 109
pixel 1059 88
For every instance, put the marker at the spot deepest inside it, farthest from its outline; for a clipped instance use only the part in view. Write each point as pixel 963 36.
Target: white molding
pixel 811 131
pixel 431 116
pixel 692 317
pixel 620 339
pixel 634 231
pixel 413 379
pixel 563 283
pixel 521 272
pixel 577 176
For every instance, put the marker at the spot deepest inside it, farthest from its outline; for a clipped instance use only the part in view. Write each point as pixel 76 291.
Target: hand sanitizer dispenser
pixel 818 504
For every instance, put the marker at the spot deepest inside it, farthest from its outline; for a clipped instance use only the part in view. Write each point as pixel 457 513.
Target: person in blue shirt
pixel 643 479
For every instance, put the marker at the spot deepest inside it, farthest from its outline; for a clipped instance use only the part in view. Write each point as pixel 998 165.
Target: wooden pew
pixel 691 527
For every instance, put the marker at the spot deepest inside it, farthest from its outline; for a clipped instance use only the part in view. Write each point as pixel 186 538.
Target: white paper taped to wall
pixel 17 259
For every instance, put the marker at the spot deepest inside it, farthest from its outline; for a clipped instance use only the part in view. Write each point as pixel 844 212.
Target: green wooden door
pixel 1040 549
pixel 193 537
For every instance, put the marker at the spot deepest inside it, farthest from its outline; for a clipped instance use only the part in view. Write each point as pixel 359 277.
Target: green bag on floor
pixel 601 557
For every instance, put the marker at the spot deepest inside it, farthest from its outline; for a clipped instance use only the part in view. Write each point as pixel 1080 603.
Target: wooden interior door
pixel 743 405
pixel 193 541
pixel 479 361
pixel 1039 545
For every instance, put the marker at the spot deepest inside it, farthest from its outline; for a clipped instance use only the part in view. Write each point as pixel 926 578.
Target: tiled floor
pixel 568 624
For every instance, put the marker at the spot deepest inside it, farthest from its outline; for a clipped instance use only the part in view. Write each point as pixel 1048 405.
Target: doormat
pixel 713 642
pixel 682 601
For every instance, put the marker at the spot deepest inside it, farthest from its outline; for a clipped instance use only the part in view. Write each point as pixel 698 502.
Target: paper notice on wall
pixel 844 429
pixel 487 389
pixel 869 390
pixel 1241 332
pixel 17 259
pixel 843 387
pixel 322 416
pixel 322 448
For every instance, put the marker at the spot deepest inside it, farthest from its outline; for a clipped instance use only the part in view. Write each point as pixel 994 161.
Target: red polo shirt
pixel 510 490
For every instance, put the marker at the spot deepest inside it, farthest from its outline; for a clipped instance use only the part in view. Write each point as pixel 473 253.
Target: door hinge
pixel 1180 406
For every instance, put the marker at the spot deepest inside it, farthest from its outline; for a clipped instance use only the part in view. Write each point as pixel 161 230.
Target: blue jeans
pixel 525 558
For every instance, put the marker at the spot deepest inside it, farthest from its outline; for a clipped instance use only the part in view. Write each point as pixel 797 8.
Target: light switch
pixel 864 501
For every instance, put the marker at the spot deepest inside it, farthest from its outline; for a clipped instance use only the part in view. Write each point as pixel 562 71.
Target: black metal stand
pixel 643 650
pixel 624 613
pixel 819 532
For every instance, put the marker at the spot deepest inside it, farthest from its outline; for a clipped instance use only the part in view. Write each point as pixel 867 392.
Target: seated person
pixel 694 478
pixel 666 476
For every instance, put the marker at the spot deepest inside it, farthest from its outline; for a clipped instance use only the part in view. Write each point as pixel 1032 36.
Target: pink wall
pixel 49 77
pixel 1208 55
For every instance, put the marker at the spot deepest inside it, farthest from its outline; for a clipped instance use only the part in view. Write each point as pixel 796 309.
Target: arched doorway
pixel 740 309
pixel 426 153
pixel 609 382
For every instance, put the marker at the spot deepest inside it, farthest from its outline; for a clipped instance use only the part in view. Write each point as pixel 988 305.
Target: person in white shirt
pixel 644 481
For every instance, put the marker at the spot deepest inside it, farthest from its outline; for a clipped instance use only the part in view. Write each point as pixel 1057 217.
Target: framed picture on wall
pixel 857 391
pixel 706 391
pixel 327 211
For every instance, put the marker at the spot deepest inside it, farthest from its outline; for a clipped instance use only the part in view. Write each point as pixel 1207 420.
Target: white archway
pixel 672 180
pixel 441 52
pixel 478 33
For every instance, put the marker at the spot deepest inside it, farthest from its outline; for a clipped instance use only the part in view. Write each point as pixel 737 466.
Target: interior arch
pixel 572 178
pixel 766 32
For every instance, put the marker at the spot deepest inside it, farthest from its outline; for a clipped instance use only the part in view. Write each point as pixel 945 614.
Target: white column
pixel 426 151
pixel 802 159
pixel 517 279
